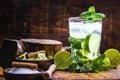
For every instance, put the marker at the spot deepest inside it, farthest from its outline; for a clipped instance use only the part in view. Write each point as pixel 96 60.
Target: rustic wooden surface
pixel 49 19
pixel 111 74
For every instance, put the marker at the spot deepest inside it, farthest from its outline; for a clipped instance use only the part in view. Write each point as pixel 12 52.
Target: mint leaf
pixel 96 64
pixel 100 63
pixel 73 67
pixel 85 14
pixel 99 16
pixel 85 68
pixel 91 15
pixel 91 9
pixel 76 58
pixel 76 43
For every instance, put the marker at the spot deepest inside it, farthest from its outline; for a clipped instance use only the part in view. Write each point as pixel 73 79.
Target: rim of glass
pixel 80 18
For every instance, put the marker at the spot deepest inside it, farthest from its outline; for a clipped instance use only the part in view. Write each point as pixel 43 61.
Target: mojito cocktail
pixel 88 34
pixel 85 38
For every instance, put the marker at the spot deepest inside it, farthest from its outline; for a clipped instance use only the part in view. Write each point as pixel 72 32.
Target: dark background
pixel 49 19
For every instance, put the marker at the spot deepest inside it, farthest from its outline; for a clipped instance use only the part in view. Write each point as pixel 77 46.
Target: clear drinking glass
pixel 88 33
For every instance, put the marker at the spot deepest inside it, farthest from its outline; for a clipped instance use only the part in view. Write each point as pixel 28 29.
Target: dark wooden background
pixel 49 19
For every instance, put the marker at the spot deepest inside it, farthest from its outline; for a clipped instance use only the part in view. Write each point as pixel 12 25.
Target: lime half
pixel 63 59
pixel 114 56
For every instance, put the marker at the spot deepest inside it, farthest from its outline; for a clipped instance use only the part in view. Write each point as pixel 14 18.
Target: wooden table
pixel 110 74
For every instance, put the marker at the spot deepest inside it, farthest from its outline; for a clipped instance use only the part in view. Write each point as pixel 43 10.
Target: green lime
pixel 63 59
pixel 114 56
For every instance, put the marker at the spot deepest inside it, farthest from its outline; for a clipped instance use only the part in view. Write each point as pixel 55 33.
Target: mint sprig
pixel 91 15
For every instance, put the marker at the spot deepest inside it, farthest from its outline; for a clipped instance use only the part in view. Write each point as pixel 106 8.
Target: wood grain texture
pixel 110 74
pixel 49 19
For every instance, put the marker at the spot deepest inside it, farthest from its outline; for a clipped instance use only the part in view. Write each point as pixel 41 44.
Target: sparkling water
pixel 80 29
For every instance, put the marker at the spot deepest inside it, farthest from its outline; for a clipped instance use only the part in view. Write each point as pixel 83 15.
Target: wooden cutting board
pixel 110 74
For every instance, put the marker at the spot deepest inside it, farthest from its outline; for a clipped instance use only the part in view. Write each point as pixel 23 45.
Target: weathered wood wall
pixel 49 19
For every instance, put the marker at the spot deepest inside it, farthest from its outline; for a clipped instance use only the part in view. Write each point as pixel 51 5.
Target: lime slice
pixel 63 59
pixel 114 56
pixel 94 42
pixel 91 46
pixel 91 42
pixel 85 43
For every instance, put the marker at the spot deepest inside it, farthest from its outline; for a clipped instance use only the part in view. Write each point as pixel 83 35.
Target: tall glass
pixel 88 33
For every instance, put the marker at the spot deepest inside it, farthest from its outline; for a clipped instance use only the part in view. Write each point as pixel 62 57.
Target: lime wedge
pixel 114 56
pixel 63 59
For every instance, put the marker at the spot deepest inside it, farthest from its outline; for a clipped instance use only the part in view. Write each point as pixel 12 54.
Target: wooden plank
pixel 110 74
